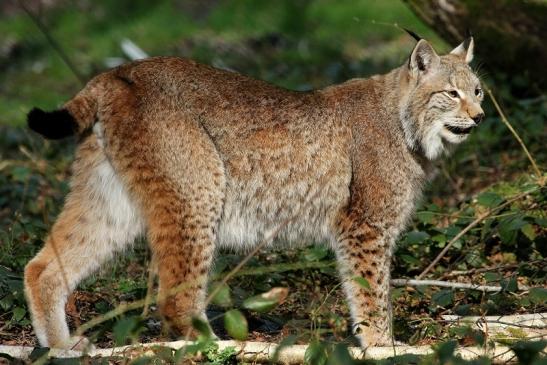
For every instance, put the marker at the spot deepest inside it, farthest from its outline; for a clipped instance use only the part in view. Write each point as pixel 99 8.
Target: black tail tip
pixel 52 125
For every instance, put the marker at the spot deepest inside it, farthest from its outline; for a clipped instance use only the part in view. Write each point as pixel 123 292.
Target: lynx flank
pixel 198 159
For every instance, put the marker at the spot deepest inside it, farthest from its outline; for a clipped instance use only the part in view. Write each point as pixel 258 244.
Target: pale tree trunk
pixel 510 35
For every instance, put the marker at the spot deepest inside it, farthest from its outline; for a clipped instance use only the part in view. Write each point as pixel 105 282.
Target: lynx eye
pixel 453 94
pixel 478 92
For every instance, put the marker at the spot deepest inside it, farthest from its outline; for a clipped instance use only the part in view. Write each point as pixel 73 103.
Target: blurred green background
pixel 298 44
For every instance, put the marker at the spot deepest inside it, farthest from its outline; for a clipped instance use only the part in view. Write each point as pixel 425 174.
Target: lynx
pixel 198 159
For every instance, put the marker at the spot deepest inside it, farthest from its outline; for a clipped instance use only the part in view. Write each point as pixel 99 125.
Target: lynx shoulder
pixel 197 158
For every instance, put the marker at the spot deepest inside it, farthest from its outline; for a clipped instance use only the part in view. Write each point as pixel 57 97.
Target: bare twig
pixel 56 46
pixel 448 284
pixel 149 287
pixel 515 134
pixel 529 320
pixel 479 219
pixel 491 268
pixel 505 328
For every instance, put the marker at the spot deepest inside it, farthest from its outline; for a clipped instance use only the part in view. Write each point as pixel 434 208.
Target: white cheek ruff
pixel 432 142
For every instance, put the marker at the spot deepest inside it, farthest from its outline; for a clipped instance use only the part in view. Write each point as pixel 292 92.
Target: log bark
pixel 509 35
pixel 262 352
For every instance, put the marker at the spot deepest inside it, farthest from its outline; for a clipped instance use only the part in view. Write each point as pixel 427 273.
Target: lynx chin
pixel 198 159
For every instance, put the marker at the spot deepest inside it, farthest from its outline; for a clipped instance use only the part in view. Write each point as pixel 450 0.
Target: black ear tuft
pixel 413 35
pixel 468 38
pixel 468 33
pixel 52 125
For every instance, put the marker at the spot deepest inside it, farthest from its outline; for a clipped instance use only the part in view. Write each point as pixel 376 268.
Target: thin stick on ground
pixel 449 284
pixel 492 268
pixel 480 218
pixel 149 287
pixel 515 134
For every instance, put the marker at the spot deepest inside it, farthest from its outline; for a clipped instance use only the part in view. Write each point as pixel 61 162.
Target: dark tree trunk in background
pixel 510 35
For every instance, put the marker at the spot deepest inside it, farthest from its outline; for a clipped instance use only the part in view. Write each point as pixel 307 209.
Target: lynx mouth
pixel 458 130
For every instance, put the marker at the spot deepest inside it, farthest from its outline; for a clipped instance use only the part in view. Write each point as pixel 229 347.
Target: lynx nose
pixel 478 118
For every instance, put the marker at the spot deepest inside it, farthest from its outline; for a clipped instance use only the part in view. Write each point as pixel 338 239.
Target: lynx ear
pixel 465 49
pixel 423 58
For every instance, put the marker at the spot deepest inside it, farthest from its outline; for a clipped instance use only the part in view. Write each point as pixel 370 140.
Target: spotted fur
pixel 198 158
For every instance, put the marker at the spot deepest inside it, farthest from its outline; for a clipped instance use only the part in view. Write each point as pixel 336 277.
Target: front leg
pixel 363 251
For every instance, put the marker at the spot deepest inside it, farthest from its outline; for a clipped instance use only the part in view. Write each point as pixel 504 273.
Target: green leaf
pixel 20 173
pixel 315 353
pixel 411 260
pixel 508 230
pixel 18 314
pixel 315 253
pixel 265 302
pixel 6 302
pixel 492 277
pixel 286 342
pixel 528 351
pixel 416 237
pixel 39 353
pixel 443 298
pixel 397 293
pixel 222 296
pixel 236 324
pixel 445 351
pixel 510 285
pixel 529 231
pixel 426 217
pixel 202 327
pixel 440 239
pixel 124 330
pixel 489 199
pixel 340 356
pixel 363 283
pixel 538 295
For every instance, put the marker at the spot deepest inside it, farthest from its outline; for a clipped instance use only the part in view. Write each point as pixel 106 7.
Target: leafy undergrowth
pixel 303 302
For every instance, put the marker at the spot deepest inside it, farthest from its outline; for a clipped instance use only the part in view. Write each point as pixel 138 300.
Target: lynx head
pixel 442 101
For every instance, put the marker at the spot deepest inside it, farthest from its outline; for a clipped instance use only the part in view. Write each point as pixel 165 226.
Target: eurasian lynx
pixel 198 158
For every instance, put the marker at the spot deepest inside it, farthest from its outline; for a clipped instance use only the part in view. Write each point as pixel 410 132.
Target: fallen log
pixel 261 352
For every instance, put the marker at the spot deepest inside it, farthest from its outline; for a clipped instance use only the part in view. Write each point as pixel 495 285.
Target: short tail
pixel 77 115
pixel 52 125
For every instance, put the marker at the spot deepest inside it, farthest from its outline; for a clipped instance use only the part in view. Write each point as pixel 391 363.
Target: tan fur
pixel 198 158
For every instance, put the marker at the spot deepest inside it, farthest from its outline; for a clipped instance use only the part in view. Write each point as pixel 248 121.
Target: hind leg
pixel 178 177
pixel 182 241
pixel 97 220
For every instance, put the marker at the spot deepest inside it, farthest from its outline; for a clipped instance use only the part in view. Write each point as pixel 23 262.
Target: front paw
pixel 370 338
